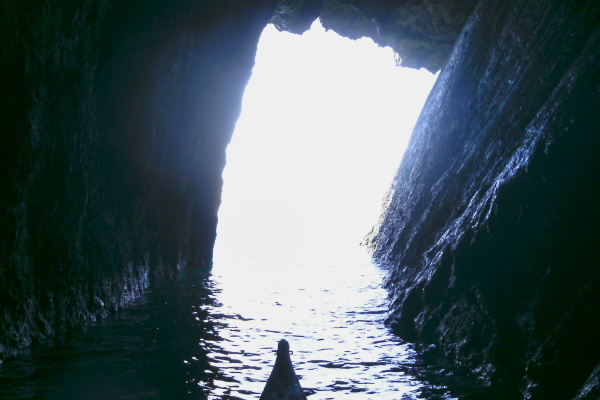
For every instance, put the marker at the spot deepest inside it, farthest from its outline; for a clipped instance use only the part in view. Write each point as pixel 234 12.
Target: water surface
pixel 213 336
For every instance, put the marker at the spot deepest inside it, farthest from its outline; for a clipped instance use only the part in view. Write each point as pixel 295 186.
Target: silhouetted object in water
pixel 283 383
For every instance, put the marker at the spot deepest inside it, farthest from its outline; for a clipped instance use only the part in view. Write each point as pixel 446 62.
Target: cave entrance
pixel 324 123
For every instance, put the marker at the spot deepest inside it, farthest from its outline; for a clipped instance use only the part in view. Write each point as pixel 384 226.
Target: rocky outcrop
pixel 491 230
pixel 421 32
pixel 117 115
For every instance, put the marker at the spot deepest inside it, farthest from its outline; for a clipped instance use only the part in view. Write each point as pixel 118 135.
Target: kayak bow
pixel 283 384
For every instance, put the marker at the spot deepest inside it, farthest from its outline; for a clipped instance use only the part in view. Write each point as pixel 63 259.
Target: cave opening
pixel 325 121
pixel 324 124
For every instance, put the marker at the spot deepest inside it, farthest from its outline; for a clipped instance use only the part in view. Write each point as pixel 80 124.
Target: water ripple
pixel 214 337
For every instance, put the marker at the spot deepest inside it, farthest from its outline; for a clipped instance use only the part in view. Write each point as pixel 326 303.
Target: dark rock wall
pixel 491 230
pixel 421 32
pixel 115 119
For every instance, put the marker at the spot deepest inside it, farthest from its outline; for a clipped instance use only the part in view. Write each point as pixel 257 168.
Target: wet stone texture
pixel 117 114
pixel 490 233
pixel 421 32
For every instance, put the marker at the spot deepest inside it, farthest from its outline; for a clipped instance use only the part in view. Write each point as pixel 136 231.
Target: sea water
pixel 213 335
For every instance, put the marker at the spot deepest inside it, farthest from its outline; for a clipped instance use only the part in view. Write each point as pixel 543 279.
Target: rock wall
pixel 421 32
pixel 116 115
pixel 491 229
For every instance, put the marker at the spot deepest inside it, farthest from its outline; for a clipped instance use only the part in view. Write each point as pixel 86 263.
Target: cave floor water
pixel 213 336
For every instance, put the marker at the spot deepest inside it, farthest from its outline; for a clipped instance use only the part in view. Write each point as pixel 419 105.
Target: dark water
pixel 213 336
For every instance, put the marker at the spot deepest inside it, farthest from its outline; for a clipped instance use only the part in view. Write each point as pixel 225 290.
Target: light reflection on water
pixel 332 316
pixel 214 337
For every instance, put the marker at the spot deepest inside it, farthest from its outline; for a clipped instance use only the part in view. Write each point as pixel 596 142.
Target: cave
pixel 116 117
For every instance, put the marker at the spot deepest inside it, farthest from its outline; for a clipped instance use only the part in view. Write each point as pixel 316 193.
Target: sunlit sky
pixel 325 121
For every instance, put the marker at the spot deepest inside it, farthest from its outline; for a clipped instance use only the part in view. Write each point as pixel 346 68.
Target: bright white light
pixel 325 121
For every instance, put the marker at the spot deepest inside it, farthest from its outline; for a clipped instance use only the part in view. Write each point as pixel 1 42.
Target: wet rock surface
pixel 117 117
pixel 491 229
pixel 422 33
